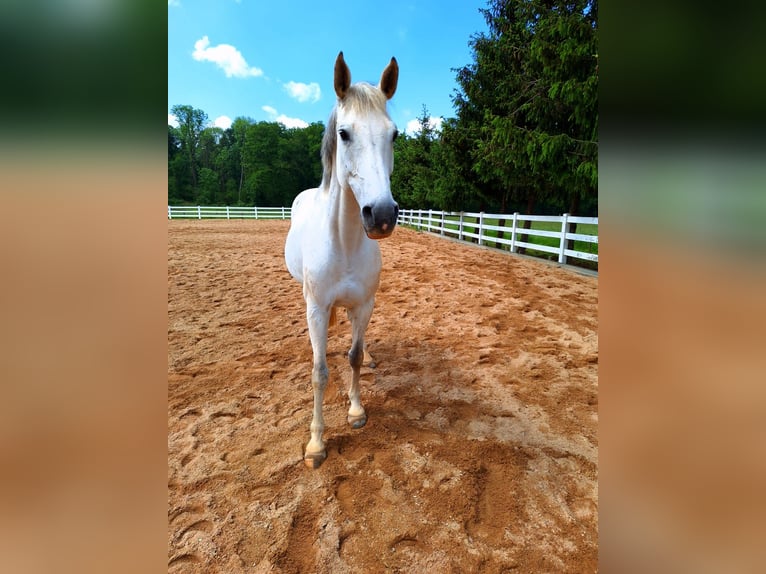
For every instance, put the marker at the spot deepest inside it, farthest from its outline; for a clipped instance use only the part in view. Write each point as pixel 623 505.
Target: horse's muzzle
pixel 379 219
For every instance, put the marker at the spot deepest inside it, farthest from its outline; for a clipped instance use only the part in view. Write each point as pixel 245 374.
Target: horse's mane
pixel 362 98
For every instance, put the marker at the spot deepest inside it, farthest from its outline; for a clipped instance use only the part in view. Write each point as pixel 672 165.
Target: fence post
pixel 420 220
pixel 460 229
pixel 283 212
pixel 444 215
pixel 199 212
pixel 563 240
pixel 227 212
pixel 170 213
pixel 481 228
pixel 513 231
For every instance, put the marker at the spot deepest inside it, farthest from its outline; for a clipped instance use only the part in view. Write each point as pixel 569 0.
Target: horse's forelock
pixel 364 98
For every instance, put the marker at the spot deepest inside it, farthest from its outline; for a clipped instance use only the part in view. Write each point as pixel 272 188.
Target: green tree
pixel 191 123
pixel 416 160
pixel 226 166
pixel 238 133
pixel 300 161
pixel 260 159
pixel 249 163
pixel 456 181
pixel 209 146
pixel 527 106
pixel 208 187
pixel 174 150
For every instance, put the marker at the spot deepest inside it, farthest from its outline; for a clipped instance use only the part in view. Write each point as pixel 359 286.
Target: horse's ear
pixel 389 79
pixel 342 77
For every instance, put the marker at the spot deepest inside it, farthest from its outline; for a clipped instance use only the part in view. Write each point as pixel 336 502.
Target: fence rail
pixel 227 212
pixel 486 228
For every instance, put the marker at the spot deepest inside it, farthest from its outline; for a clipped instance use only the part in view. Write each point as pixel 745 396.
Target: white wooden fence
pixel 461 225
pixel 206 212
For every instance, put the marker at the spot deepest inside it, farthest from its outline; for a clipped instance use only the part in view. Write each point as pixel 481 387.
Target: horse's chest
pixel 352 289
pixel 342 279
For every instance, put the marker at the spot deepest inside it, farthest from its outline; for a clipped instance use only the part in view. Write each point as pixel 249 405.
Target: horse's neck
pixel 345 218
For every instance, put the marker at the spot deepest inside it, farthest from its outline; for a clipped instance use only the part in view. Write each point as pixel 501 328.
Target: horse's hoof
pixel 315 459
pixel 358 421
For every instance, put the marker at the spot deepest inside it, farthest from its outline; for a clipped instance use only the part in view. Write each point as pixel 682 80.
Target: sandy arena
pixel 480 453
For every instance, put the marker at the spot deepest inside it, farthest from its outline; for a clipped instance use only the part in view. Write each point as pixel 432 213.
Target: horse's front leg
pixel 360 317
pixel 318 319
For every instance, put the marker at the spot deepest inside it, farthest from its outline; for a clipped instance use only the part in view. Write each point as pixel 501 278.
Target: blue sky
pixel 273 60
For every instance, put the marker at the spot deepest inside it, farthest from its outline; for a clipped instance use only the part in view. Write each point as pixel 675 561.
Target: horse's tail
pixel 333 317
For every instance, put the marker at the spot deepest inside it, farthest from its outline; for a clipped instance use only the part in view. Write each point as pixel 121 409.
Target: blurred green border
pixel 88 71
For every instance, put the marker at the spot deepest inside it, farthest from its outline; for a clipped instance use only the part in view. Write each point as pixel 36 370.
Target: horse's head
pixel 364 155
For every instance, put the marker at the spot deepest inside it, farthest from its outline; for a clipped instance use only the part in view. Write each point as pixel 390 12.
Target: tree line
pixel 250 163
pixel 525 135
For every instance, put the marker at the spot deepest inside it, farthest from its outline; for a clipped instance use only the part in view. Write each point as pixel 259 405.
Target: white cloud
pixel 223 122
pixel 304 92
pixel 291 122
pixel 172 120
pixel 274 116
pixel 413 126
pixel 226 57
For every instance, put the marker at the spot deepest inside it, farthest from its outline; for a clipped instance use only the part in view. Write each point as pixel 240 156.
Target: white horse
pixel 330 247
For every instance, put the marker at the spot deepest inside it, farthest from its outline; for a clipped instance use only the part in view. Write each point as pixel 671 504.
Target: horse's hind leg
pixel 317 320
pixel 360 317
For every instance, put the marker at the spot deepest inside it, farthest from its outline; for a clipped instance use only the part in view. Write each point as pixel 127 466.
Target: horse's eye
pixel 396 135
pixel 344 135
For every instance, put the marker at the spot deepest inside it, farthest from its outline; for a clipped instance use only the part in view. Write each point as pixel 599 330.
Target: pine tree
pixel 527 105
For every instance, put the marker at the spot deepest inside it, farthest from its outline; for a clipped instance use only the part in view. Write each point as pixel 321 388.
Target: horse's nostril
pixel 367 212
